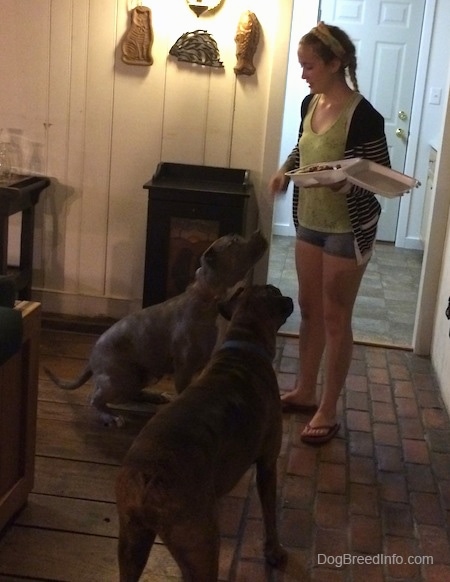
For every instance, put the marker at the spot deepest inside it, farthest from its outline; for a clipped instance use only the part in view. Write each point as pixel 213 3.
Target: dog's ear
pixel 227 307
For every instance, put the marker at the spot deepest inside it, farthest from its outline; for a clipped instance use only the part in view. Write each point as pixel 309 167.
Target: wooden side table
pixel 18 406
pixel 20 195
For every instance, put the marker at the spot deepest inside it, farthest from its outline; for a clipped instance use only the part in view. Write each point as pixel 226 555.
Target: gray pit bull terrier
pixel 195 450
pixel 176 336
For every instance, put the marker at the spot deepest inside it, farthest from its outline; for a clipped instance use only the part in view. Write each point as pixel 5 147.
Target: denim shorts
pixel 337 244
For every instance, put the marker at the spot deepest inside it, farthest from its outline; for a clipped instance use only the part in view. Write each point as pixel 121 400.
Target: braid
pixel 348 59
pixel 352 72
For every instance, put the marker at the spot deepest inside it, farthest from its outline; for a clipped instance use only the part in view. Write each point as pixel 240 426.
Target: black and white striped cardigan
pixel 365 139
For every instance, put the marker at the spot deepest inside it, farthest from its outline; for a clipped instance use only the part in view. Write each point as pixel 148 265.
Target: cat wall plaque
pixel 138 40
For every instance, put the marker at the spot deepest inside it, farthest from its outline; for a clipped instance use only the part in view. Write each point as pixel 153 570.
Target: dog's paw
pixel 276 555
pixel 119 421
pixel 112 420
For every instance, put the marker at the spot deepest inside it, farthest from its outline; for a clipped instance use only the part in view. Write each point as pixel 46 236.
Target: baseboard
pixel 283 230
pixel 85 306
pixel 75 324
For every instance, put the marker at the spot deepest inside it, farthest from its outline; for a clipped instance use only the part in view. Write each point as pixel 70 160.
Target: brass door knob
pixel 400 133
pixel 402 115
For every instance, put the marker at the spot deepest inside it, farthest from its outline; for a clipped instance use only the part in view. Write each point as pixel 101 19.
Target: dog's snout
pixel 289 306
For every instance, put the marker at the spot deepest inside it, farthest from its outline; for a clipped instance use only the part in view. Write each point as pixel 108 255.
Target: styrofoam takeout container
pixel 303 177
pixel 361 172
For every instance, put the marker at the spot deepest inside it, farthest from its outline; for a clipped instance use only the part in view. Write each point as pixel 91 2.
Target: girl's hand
pixel 278 183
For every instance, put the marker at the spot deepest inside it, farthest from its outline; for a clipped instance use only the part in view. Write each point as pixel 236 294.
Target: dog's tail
pixel 72 385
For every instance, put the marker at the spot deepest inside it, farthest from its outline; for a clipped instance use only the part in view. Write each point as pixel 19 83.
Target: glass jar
pixel 5 163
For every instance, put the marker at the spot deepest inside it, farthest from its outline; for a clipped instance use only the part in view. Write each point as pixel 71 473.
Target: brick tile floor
pixel 380 491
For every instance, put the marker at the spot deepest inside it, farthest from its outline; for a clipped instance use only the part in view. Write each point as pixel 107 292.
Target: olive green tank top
pixel 321 208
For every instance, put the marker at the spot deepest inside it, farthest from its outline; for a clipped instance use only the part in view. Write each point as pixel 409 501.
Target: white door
pixel 387 38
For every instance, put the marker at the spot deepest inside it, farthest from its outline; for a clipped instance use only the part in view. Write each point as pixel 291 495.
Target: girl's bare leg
pixel 340 283
pixel 308 259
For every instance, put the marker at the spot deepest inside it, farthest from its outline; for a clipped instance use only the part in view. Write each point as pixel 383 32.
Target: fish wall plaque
pixel 247 39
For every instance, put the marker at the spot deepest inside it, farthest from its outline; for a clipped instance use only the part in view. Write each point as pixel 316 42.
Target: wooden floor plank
pixel 69 369
pixel 18 579
pixel 106 445
pixel 51 393
pixel 48 391
pixel 71 515
pixel 72 557
pixel 68 412
pixel 69 528
pixel 78 346
pixel 63 368
pixel 100 519
pixel 80 480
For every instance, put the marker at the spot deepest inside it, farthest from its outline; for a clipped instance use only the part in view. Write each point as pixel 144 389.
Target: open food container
pixel 361 172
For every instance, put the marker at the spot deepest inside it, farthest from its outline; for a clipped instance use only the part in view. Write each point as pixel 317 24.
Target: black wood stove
pixel 188 208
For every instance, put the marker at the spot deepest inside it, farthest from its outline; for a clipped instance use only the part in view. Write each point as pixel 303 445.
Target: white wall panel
pixel 185 112
pixel 136 137
pixel 57 126
pixel 100 127
pixel 75 147
pixel 97 147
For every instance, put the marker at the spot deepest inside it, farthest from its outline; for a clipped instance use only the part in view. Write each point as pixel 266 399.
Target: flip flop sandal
pixel 320 439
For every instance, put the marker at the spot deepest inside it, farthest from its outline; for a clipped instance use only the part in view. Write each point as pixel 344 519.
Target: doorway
pixel 340 13
pixel 387 300
pixel 387 79
pixel 387 39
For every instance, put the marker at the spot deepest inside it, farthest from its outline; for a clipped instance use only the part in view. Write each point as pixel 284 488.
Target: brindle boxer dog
pixel 176 336
pixel 197 448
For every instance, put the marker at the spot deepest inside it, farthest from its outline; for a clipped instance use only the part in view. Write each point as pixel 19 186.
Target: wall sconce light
pixel 202 6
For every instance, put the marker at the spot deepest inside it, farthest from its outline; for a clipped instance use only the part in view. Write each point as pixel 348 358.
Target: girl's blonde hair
pixel 327 41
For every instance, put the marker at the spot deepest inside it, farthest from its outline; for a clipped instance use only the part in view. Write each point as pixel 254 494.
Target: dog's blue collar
pixel 249 346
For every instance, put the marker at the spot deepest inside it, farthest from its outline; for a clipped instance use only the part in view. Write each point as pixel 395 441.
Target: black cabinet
pixel 188 208
pixel 20 195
